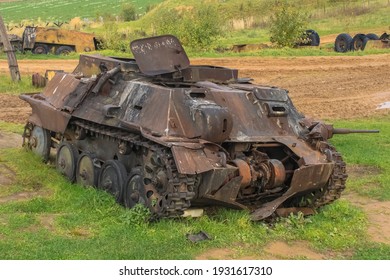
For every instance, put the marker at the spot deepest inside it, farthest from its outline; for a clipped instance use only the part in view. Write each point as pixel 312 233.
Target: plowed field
pixel 320 87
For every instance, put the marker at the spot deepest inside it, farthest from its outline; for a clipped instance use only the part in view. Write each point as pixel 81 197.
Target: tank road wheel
pixel 40 49
pixel 112 178
pixel 134 190
pixel 86 173
pixel 40 142
pixel 66 161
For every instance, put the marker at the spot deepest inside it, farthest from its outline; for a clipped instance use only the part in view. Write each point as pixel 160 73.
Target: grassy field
pixel 87 224
pixel 65 221
pixel 7 86
pixel 368 150
pixel 324 16
pixel 50 10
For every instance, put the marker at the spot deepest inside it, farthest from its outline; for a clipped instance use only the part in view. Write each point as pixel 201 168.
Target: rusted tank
pixel 157 131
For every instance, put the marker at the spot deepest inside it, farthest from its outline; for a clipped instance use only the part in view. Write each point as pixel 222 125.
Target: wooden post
pixel 12 62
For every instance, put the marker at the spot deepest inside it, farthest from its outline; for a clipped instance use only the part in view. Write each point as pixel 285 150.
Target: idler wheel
pixel 87 174
pixel 66 160
pixel 40 142
pixel 112 178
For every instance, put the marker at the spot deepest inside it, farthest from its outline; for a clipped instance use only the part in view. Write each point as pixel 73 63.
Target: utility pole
pixel 12 62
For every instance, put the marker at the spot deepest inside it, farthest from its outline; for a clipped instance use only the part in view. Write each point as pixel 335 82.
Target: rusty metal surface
pixel 29 36
pixel 191 161
pixel 194 135
pixel 305 178
pixel 244 171
pixel 209 73
pixel 95 64
pixel 38 80
pixel 45 115
pixel 311 177
pixel 159 55
pixel 60 88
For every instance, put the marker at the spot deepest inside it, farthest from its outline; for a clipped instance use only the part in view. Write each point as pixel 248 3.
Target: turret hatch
pixel 159 55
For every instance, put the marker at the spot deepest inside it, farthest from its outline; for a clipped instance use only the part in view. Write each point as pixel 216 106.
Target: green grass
pixel 375 18
pixel 49 10
pixel 65 221
pixel 11 127
pixel 368 150
pixel 7 86
pixel 286 52
pixel 49 56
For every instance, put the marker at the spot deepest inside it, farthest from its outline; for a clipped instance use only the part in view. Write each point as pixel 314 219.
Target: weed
pixel 138 216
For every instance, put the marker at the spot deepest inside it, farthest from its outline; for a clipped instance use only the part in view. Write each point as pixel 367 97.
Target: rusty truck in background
pixel 15 40
pixel 41 40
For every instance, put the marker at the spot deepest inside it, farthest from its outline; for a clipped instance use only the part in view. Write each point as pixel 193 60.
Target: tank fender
pixel 193 161
pixel 45 115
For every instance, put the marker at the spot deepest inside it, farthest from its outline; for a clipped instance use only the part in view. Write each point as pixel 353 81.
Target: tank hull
pixel 180 139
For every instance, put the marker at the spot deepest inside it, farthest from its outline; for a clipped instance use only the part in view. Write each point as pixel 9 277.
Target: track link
pixel 177 196
pixel 336 183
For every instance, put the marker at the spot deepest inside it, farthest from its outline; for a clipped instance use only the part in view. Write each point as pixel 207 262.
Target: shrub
pixel 112 39
pixel 129 12
pixel 287 24
pixel 196 28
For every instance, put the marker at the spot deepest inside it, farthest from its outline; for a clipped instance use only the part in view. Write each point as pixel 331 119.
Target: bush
pixel 196 28
pixel 287 24
pixel 138 216
pixel 129 12
pixel 112 39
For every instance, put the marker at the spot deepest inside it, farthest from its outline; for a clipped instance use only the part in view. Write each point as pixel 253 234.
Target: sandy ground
pixel 320 87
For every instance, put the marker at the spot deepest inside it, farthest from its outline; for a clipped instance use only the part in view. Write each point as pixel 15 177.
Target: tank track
pixel 331 191
pixel 336 183
pixel 180 190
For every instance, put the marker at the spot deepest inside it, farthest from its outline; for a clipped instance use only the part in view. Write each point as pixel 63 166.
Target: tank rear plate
pixel 159 55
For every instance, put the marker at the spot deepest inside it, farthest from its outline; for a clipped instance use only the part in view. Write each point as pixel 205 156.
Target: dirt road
pixel 321 87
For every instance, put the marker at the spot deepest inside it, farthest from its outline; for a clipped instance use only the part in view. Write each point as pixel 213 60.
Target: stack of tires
pixel 345 43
